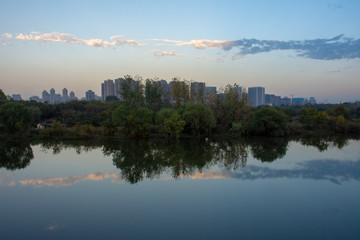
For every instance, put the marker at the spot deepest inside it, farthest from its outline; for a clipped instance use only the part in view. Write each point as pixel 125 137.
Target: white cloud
pixel 4 37
pixel 171 53
pixel 200 44
pixel 8 35
pixel 68 38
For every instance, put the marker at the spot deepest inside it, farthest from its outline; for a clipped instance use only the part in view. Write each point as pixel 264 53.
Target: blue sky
pixel 304 48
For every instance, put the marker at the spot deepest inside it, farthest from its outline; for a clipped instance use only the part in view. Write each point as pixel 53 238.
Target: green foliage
pixel 3 97
pixel 112 99
pixel 199 119
pixel 235 103
pixel 119 115
pixel 268 121
pixel 154 95
pixel 180 92
pixel 83 130
pixel 340 124
pixel 341 110
pixel 14 117
pixel 108 127
pixel 133 123
pixel 314 119
pixel 35 113
pixel 56 129
pixel 170 122
pixel 132 92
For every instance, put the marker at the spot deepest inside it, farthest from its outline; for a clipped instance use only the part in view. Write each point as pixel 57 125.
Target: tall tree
pixel 15 117
pixel 132 91
pixel 154 95
pixel 179 92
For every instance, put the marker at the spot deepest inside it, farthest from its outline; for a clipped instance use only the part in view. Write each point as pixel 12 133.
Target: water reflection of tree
pixel 322 143
pixel 149 158
pixel 268 149
pixel 140 159
pixel 78 145
pixel 15 154
pixel 231 154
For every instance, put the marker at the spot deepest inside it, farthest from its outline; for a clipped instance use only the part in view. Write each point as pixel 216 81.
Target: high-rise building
pixel 72 96
pixel 312 100
pixel 256 96
pixel 16 97
pixel 107 89
pixel 52 95
pixel 198 91
pixel 271 99
pixel 210 94
pixel 117 87
pixel 90 95
pixel 65 96
pixel 45 96
pixel 35 98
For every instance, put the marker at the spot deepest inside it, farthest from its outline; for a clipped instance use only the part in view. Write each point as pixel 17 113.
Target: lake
pixel 256 188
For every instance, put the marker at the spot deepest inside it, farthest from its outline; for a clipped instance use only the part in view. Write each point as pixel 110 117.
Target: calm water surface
pixel 151 189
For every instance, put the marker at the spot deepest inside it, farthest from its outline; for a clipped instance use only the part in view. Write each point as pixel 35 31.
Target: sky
pixel 292 48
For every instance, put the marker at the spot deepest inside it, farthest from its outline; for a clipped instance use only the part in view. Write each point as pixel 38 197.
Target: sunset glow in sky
pixel 304 48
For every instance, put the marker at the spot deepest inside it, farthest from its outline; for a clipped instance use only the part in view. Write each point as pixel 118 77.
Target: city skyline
pixel 299 49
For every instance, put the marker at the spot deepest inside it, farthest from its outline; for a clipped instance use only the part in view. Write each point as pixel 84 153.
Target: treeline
pixel 145 108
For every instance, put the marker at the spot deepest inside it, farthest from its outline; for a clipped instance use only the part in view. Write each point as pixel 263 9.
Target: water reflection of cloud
pixel 211 174
pixel 335 171
pixel 332 170
pixel 55 227
pixel 68 181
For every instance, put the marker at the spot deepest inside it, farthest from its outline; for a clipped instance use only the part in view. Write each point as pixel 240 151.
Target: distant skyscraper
pixel 72 96
pixel 198 91
pixel 256 96
pixel 312 100
pixel 16 97
pixel 210 95
pixel 45 96
pixel 52 96
pixel 64 92
pixel 65 96
pixel 117 87
pixel 107 89
pixel 90 95
pixel 35 98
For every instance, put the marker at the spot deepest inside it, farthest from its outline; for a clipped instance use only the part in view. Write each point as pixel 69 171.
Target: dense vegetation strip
pixel 147 109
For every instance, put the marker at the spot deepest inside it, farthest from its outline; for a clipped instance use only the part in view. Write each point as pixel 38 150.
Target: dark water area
pixel 257 188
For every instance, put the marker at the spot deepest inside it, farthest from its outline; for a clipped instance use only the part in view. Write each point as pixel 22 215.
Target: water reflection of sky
pixel 68 167
pixel 70 195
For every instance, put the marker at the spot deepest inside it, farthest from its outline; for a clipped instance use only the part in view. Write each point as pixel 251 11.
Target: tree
pixel 111 99
pixel 199 119
pixel 134 123
pixel 340 124
pixel 15 117
pixel 35 113
pixel 268 121
pixel 234 102
pixel 314 119
pixel 132 92
pixel 179 92
pixel 342 110
pixel 3 97
pixel 154 95
pixel 170 122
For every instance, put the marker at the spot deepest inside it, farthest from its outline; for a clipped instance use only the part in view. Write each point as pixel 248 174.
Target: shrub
pixel 268 121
